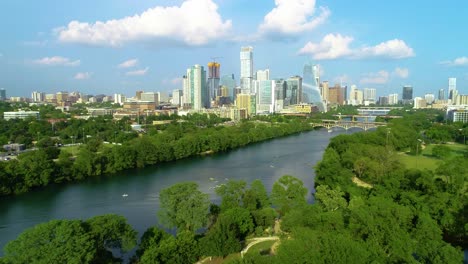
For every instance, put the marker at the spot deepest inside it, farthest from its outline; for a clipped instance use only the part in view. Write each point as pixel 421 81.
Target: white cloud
pixel 82 76
pixel 335 46
pixel 128 64
pixel 291 17
pixel 194 22
pixel 402 73
pixel 331 47
pixel 57 61
pixel 138 72
pixel 345 79
pixel 380 77
pixel 460 61
pixel 393 49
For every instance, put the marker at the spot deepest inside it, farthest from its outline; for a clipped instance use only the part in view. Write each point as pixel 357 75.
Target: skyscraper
pixel 441 94
pixel 393 99
pixel 213 79
pixel 407 94
pixel 230 83
pixel 263 75
pixel 311 85
pixel 38 96
pixel 199 94
pixel 2 94
pixel 294 90
pixel 370 95
pixel 177 97
pixel 452 88
pixel 266 97
pixel 246 58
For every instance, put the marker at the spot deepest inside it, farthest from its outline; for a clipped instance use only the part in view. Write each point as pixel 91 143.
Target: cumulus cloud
pixel 380 77
pixel 461 61
pixel 331 47
pixel 335 46
pixel 345 79
pixel 138 72
pixel 194 22
pixel 128 64
pixel 57 61
pixel 402 73
pixel 291 17
pixel 82 76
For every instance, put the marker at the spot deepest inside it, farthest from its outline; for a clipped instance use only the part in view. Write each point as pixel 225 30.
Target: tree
pixel 57 241
pixel 330 200
pixel 184 207
pixel 179 250
pixel 288 192
pixel 112 231
pixel 441 151
pixel 231 194
pixel 256 197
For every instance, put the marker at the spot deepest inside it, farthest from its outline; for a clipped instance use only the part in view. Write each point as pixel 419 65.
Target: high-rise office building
pixel 441 94
pixel 393 99
pixel 294 90
pixel 262 75
pixel 177 97
pixel 311 84
pixel 213 79
pixel 407 96
pixel 2 94
pixel 138 94
pixel 452 88
pixel 248 102
pixel 163 97
pixel 149 97
pixel 429 98
pixel 370 95
pixel 230 83
pixel 324 90
pixel 62 97
pixel 199 94
pixel 336 95
pixel 266 97
pixel 383 100
pixel 119 99
pixel 246 58
pixel 38 96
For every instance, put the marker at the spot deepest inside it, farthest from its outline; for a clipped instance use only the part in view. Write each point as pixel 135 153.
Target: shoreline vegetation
pixel 52 165
pixel 409 215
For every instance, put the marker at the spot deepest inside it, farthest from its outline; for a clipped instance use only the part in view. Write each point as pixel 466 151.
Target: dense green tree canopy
pixel 184 207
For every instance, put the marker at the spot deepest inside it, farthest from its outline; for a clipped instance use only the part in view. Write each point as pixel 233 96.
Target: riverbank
pixel 37 169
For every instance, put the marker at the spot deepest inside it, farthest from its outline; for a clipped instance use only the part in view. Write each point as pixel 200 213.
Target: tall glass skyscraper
pixel 452 88
pixel 246 58
pixel 230 83
pixel 407 94
pixel 199 94
pixel 310 86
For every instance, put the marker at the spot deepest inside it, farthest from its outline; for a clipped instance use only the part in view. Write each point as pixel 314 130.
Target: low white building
pixel 20 115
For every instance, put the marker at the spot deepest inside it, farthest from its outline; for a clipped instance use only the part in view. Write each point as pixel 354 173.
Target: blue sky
pixel 120 46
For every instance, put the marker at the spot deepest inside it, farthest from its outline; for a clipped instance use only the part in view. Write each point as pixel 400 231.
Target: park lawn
pixel 420 162
pixel 71 149
pixel 426 160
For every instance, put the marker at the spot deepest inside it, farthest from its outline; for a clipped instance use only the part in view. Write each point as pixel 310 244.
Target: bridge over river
pixel 364 125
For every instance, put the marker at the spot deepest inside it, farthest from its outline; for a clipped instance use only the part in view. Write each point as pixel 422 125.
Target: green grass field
pixel 261 247
pixel 426 160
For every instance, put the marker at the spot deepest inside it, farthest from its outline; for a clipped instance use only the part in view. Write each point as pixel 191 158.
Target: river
pixel 268 161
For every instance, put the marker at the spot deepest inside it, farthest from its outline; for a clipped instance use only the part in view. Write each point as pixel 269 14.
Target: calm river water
pixel 268 161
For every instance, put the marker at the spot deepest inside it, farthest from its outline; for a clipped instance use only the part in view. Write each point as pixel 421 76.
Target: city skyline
pixel 361 43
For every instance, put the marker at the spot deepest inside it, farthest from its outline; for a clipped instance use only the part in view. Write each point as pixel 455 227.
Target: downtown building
pixel 407 94
pixel 196 93
pixel 246 77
